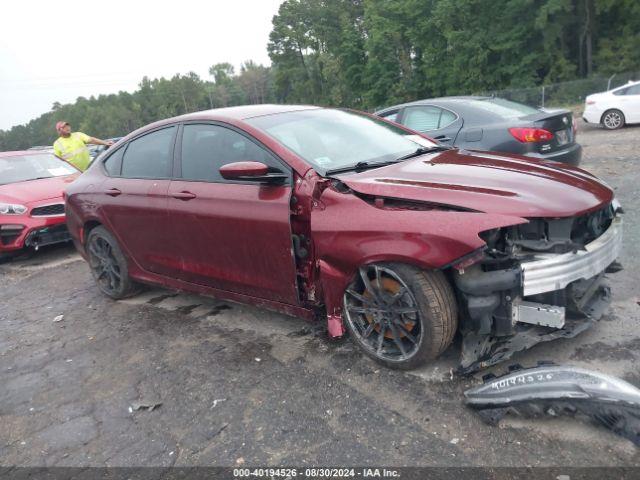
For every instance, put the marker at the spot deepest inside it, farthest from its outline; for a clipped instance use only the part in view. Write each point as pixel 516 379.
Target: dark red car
pixel 31 203
pixel 323 213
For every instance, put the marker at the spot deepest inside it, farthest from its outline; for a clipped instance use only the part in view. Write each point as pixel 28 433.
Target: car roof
pixel 440 100
pixel 244 112
pixel 226 114
pixel 17 153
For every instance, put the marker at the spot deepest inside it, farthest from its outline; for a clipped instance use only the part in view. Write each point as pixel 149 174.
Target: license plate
pixel 562 136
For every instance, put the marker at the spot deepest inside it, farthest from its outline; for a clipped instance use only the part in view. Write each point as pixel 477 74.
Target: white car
pixel 615 108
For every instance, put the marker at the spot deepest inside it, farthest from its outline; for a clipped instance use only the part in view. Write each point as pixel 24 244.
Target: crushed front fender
pixel 560 390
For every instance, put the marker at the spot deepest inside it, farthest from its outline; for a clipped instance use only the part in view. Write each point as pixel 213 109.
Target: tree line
pixel 370 53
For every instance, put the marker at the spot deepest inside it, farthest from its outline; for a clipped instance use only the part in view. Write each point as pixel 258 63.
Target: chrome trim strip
pixel 549 272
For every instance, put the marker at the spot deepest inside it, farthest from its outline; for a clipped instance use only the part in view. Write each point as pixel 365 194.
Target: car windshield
pixel 333 140
pixel 21 168
pixel 502 107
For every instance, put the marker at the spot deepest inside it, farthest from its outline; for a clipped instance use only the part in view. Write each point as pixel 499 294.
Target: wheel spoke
pixel 407 333
pixel 363 309
pixel 381 333
pixel 94 249
pixel 376 274
pixel 369 330
pixel 397 296
pixel 113 281
pixel 367 283
pixel 398 340
pixel 404 310
pixel 359 297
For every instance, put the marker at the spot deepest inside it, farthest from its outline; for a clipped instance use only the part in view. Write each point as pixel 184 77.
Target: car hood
pixel 486 182
pixel 35 190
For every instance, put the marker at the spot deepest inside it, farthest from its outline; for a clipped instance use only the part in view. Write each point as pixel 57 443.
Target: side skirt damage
pixel 555 390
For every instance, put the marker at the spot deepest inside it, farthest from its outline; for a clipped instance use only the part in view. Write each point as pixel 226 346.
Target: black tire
pixel 612 119
pixel 108 264
pixel 409 339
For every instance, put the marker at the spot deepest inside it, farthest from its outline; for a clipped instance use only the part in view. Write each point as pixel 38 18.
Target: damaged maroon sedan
pixel 323 213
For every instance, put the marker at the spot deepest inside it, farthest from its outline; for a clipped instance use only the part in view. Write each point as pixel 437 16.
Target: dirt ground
pixel 242 386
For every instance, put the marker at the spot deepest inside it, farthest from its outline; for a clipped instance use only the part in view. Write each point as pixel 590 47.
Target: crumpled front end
pixel 537 282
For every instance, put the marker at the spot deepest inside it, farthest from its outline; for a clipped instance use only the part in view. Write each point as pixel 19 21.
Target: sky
pixel 56 51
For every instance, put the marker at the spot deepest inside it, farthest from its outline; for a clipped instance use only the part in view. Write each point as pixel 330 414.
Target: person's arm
pixel 97 141
pixel 87 139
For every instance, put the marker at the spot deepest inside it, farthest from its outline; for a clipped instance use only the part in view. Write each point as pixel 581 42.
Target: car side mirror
pixel 251 171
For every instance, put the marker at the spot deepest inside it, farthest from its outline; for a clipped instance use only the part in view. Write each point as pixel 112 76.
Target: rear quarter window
pixel 113 163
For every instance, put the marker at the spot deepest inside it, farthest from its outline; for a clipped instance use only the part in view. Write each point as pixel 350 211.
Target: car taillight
pixel 591 102
pixel 574 127
pixel 527 135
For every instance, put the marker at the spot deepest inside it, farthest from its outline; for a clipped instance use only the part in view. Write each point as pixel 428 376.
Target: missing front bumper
pixel 543 298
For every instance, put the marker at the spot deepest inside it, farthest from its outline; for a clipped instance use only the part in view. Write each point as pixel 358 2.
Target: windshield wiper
pixel 360 166
pixel 422 150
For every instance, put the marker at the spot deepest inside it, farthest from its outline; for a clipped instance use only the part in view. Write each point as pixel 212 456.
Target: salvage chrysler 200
pixel 324 213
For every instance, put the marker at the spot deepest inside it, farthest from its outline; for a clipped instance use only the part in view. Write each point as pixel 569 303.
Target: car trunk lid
pixel 557 122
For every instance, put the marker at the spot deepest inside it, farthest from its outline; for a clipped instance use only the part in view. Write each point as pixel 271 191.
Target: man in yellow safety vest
pixel 72 146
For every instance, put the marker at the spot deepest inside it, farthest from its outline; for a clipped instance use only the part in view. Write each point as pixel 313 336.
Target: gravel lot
pixel 242 386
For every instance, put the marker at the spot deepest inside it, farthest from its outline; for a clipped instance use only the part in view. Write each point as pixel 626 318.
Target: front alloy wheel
pixel 399 315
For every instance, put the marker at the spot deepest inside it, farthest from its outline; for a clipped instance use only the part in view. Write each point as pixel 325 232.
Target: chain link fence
pixel 565 93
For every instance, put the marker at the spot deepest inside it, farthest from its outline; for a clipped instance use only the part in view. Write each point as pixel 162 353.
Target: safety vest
pixel 74 150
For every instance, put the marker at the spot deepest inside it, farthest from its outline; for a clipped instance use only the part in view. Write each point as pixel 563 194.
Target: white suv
pixel 615 108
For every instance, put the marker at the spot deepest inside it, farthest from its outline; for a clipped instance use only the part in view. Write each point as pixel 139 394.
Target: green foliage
pixel 382 52
pixel 370 53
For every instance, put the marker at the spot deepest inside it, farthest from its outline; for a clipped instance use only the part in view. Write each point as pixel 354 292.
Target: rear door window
pixel 428 117
pixel 149 156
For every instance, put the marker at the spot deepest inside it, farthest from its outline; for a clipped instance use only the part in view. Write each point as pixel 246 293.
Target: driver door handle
pixel 442 138
pixel 113 192
pixel 183 195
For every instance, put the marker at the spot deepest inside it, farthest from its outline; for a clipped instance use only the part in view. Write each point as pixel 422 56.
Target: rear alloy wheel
pixel 613 119
pixel 399 315
pixel 108 265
